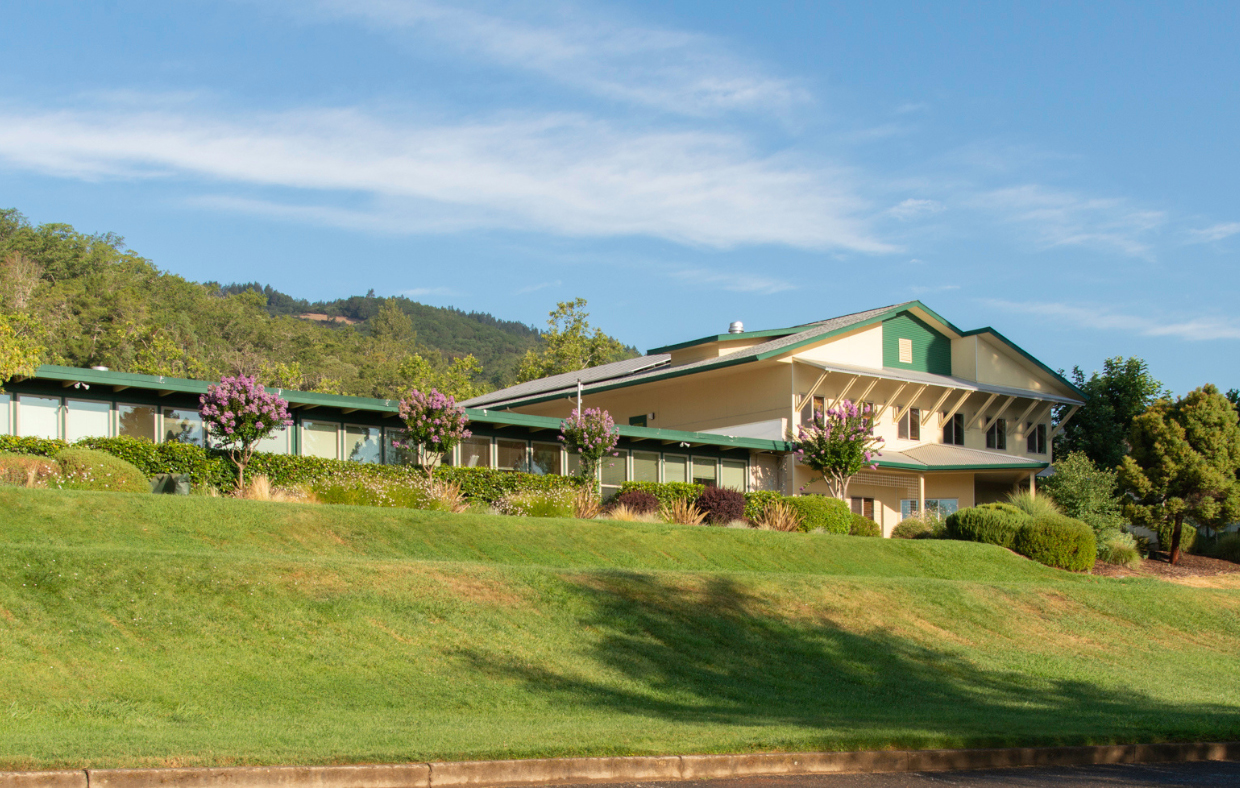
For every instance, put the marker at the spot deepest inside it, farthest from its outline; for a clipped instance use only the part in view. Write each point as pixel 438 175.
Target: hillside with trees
pixel 88 300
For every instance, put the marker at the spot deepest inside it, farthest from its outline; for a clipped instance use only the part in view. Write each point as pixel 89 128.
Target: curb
pixel 664 768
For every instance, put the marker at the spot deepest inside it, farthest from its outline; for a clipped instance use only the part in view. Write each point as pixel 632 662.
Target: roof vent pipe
pixel 100 369
pixel 737 327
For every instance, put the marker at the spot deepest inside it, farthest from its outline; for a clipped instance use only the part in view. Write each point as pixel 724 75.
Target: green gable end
pixel 931 351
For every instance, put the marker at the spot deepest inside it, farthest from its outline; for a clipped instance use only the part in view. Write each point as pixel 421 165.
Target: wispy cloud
pixel 560 173
pixel 736 283
pixel 1102 318
pixel 911 208
pixel 1061 218
pixel 675 71
pixel 1214 233
pixel 539 286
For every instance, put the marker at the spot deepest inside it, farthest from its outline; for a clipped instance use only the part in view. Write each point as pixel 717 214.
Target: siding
pixel 932 352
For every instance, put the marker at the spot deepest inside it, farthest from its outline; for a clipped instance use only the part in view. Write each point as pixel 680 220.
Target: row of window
pixel 1035 438
pixel 73 419
pixel 940 506
pixel 909 428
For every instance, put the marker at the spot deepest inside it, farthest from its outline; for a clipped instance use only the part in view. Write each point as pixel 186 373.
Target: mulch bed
pixel 1157 565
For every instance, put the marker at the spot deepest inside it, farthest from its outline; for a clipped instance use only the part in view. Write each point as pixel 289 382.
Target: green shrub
pixel 757 500
pixel 1188 537
pixel 1059 542
pixel 636 501
pixel 818 511
pixel 1034 505
pixel 1227 548
pixel 666 492
pixel 361 490
pixel 911 528
pixel 39 447
pixel 204 468
pixel 864 526
pixel 1119 548
pixel 995 524
pixel 539 503
pixel 23 470
pixel 88 469
pixel 721 505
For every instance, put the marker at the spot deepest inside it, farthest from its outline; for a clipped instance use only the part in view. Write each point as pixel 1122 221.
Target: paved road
pixel 1197 775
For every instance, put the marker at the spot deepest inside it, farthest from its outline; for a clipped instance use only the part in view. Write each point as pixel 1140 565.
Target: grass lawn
pixel 155 630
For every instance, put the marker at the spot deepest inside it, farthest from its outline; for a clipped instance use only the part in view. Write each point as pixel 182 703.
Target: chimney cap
pixel 737 327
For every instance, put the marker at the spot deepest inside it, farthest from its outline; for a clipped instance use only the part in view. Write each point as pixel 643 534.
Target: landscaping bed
pixel 1158 565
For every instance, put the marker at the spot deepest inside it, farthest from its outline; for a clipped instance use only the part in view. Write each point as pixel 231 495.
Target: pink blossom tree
pixel 237 413
pixel 839 444
pixel 591 435
pixel 435 425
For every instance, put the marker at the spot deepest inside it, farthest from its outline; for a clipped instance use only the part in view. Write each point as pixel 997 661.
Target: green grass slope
pixel 150 630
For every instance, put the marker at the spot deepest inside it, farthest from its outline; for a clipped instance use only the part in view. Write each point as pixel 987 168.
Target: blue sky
pixel 1064 172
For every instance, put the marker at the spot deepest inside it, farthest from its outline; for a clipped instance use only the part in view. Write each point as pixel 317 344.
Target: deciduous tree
pixel 1182 465
pixel 1124 389
pixel 838 444
pixel 569 344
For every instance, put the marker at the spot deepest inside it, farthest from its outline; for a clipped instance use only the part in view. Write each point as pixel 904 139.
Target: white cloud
pixel 561 173
pixel 668 69
pixel 1059 218
pixel 427 291
pixel 911 208
pixel 1215 233
pixel 736 283
pixel 539 286
pixel 1102 318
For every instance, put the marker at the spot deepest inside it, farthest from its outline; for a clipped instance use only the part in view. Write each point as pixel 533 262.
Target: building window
pixel 863 507
pixel 136 421
pixel 996 435
pixel 910 426
pixel 182 426
pixel 6 422
pixel 276 444
pixel 510 455
pixel 953 430
pixel 705 471
pixel 637 421
pixel 1036 442
pixel 940 506
pixel 363 444
pixel 38 417
pixel 645 466
pixel 86 418
pixel 395 452
pixel 320 439
pixel 675 468
pixel 476 452
pixel 732 474
pixel 546 459
pixel 613 472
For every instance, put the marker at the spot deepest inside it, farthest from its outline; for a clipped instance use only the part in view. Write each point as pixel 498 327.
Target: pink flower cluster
pixel 239 412
pixel 591 434
pixel 435 421
pixel 839 443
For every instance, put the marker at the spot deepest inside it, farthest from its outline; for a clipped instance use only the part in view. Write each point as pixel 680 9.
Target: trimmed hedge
pixel 864 526
pixel 211 468
pixel 756 501
pixel 818 511
pixel 666 492
pixel 89 469
pixel 987 524
pixel 1058 541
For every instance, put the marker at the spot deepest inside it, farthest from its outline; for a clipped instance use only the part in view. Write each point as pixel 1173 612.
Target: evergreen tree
pixel 1100 429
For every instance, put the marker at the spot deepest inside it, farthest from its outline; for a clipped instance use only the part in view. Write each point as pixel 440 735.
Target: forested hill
pixel 101 303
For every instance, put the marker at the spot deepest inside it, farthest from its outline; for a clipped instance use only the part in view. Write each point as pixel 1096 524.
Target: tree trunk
pixel 1176 531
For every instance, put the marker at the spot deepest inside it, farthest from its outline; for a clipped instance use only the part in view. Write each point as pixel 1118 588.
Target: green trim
pixel 1017 466
pixel 771 332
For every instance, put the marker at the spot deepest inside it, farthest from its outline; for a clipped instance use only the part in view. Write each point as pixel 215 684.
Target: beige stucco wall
pixel 888 488
pixel 756 391
pixel 861 348
pixel 712 350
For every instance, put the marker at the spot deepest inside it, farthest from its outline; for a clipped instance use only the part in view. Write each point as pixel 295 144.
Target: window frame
pixel 301 437
pixel 64 418
pixel 904 427
pixel 17 414
pixel 996 434
pixel 956 425
pixel 1036 437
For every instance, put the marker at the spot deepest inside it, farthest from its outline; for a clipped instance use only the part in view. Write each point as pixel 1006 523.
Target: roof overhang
pixel 943 381
pixel 939 457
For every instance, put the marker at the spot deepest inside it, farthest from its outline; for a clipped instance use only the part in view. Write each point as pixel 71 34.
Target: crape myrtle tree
pixel 434 425
pixel 237 413
pixel 591 435
pixel 1182 466
pixel 838 444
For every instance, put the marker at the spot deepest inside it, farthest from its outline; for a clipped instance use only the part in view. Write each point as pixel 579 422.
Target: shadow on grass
pixel 718 655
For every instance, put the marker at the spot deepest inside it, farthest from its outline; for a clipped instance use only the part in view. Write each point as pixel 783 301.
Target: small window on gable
pixel 906 351
pixel 996 435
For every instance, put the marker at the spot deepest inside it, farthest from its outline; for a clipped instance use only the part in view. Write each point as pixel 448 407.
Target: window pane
pixel 547 459
pixel 319 439
pixel 183 426
pixel 645 466
pixel 276 444
pixel 510 455
pixel 704 471
pixel 914 424
pixel 6 426
pixel 136 421
pixel 86 418
pixel 476 453
pixel 733 474
pixel 675 468
pixel 943 506
pixel 614 471
pixel 38 417
pixel 362 444
pixel 573 463
pixel 908 508
pixel 400 455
